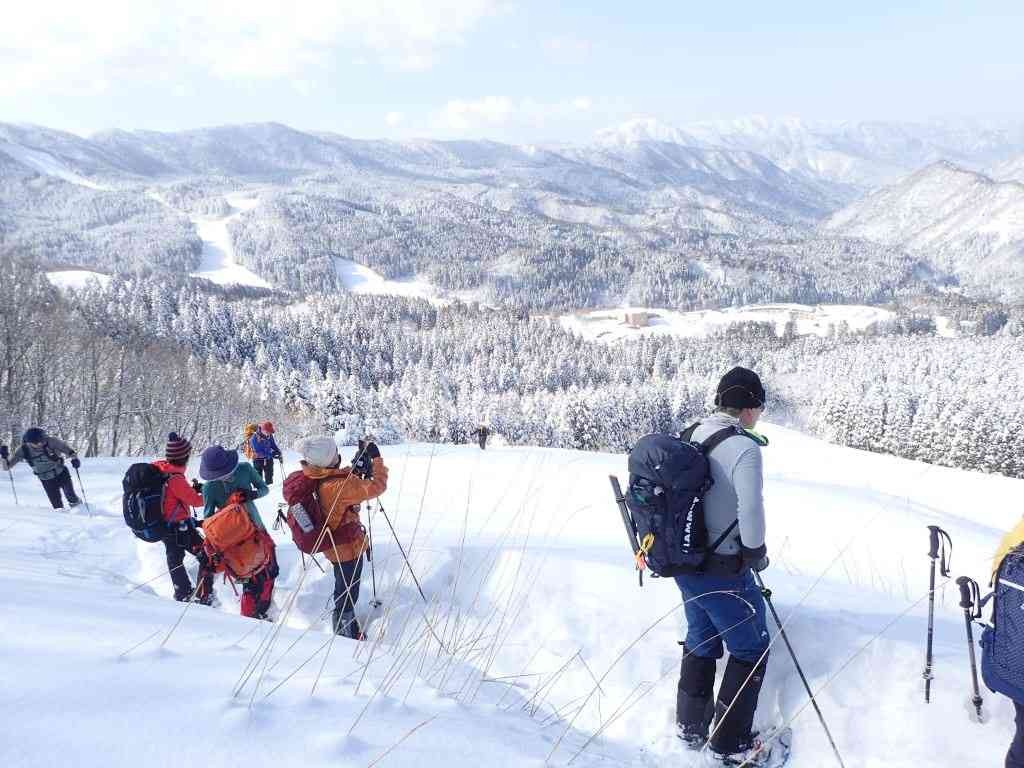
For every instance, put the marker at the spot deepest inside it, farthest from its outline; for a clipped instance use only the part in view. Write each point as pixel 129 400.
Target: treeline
pixel 90 374
pixel 407 370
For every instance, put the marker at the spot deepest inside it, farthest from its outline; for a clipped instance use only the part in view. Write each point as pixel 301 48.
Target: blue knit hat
pixel 33 435
pixel 217 463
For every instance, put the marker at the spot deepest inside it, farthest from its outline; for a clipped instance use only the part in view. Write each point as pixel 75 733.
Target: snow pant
pixel 483 442
pixel 258 591
pixel 54 485
pixel 721 612
pixel 266 469
pixel 185 538
pixel 347 576
pixel 1015 757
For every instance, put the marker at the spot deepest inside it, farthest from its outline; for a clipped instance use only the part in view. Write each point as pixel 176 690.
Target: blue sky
pixel 516 71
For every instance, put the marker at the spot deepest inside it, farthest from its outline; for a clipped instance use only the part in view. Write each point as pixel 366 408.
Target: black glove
pixel 277 455
pixel 250 494
pixel 197 486
pixel 361 465
pixel 75 462
pixel 372 451
pixel 4 453
pixel 755 559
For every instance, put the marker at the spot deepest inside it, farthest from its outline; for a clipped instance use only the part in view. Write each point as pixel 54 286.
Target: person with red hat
pixel 264 450
pixel 182 536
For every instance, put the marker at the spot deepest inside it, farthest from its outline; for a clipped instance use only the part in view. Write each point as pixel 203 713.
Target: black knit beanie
pixel 740 388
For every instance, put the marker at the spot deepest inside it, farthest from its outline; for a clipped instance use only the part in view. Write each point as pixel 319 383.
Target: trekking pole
pixel 402 550
pixel 937 540
pixel 369 556
pixel 82 488
pixel 970 601
pixel 767 593
pixel 5 455
pixel 627 521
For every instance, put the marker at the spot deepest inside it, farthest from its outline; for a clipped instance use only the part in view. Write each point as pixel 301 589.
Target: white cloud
pixel 466 117
pixel 394 119
pixel 61 45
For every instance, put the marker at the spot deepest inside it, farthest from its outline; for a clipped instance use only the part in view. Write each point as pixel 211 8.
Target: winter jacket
pixel 178 493
pixel 340 493
pixel 263 446
pixel 46 462
pixel 736 469
pixel 244 478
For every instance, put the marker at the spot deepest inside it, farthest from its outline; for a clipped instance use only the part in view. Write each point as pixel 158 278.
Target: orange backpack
pixel 233 544
pixel 247 433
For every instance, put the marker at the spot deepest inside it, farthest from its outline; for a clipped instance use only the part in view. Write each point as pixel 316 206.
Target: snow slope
pixel 521 555
pixel 610 325
pixel 46 164
pixel 359 279
pixel 963 220
pixel 218 259
pixel 76 278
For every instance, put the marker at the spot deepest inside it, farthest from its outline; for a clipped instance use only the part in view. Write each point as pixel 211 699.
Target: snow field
pixel 609 325
pixel 76 278
pixel 360 279
pixel 521 554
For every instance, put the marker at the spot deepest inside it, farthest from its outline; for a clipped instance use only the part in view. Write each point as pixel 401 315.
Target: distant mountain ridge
pixel 965 222
pixel 861 155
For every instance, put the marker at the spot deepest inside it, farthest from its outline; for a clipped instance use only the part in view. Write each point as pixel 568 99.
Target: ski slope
pixel 47 164
pixel 357 278
pixel 76 278
pixel 218 258
pixel 532 598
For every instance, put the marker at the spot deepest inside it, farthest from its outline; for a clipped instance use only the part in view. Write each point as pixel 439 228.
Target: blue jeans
pixel 717 617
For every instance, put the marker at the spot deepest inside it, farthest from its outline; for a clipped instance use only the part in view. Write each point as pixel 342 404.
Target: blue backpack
pixel 668 477
pixel 143 502
pixel 1002 642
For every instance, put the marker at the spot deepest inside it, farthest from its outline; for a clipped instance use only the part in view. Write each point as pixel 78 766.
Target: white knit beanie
pixel 320 452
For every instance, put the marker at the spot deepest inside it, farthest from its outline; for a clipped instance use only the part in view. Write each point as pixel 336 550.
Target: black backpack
pixel 1002 642
pixel 668 477
pixel 143 501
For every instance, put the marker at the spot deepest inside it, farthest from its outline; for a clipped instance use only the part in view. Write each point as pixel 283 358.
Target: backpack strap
pixel 707 446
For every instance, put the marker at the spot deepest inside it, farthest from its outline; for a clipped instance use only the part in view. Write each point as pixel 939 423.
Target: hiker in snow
pixel 264 451
pixel 341 490
pixel 43 454
pixel 225 475
pixel 1001 663
pixel 482 433
pixel 734 501
pixel 182 536
pixel 246 445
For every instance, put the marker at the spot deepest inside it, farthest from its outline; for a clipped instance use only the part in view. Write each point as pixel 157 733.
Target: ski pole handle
pixel 966 600
pixel 933 541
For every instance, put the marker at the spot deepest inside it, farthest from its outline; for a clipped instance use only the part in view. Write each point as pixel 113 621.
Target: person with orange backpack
pixel 237 541
pixel 263 450
pixel 182 536
pixel 334 493
pixel 246 445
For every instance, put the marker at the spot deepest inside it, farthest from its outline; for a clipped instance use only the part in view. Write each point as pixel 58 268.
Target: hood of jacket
pixel 322 473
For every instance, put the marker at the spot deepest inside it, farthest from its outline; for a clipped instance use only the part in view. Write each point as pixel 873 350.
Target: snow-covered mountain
pixel 1009 170
pixel 545 649
pixel 858 155
pixel 962 221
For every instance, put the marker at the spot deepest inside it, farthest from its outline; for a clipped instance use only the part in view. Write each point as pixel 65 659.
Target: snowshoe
pixel 769 749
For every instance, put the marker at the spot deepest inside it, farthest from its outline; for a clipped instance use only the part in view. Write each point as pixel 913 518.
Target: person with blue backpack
pixel 723 604
pixel 1002 642
pixel 263 449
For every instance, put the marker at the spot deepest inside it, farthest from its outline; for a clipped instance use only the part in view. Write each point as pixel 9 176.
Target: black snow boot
pixel 733 719
pixel 345 625
pixel 695 704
